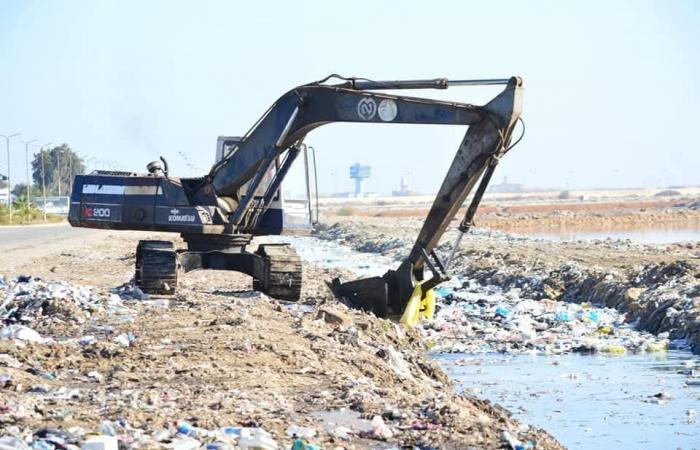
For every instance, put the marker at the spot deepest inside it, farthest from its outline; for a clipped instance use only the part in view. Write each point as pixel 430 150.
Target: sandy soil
pixel 523 213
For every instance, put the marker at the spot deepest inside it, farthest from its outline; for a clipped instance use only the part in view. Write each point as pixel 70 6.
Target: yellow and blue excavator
pixel 218 214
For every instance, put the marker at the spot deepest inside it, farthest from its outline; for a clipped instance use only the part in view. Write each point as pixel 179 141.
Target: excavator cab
pixel 294 208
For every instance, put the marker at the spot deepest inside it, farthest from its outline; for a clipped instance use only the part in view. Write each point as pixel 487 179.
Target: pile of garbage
pixel 656 296
pixel 483 319
pixel 180 435
pixel 35 310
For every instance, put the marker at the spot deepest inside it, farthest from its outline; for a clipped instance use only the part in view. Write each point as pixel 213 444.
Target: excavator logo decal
pixel 366 108
pixel 176 216
pixel 388 110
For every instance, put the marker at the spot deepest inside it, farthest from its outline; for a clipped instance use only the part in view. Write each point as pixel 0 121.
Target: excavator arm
pixel 285 125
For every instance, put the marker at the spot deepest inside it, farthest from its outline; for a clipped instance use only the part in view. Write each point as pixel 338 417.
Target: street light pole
pixel 70 173
pixel 9 180
pixel 26 155
pixel 58 152
pixel 43 178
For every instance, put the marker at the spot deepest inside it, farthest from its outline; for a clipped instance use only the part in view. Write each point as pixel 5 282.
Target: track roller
pixel 156 267
pixel 282 275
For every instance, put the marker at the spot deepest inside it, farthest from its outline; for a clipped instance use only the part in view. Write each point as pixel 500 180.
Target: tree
pixel 20 191
pixel 60 166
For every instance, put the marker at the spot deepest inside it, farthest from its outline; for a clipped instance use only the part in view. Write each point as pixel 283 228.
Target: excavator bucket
pixel 372 295
pixel 369 294
pixel 396 294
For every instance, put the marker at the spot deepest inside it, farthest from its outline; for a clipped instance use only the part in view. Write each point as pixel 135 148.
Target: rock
pixel 633 294
pixel 333 317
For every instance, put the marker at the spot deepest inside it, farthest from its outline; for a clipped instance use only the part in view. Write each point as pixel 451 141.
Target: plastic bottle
pixel 100 442
pixel 258 440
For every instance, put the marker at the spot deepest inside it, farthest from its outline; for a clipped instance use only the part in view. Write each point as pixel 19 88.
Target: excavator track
pixel 282 277
pixel 156 267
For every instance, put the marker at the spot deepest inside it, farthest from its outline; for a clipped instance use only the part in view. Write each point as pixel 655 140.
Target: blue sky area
pixel 612 96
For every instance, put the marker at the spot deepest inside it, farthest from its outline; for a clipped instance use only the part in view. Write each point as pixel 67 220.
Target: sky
pixel 612 94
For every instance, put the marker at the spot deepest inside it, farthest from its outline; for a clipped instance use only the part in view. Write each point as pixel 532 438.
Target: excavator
pixel 217 215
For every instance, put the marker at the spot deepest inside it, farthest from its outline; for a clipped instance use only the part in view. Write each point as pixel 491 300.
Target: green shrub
pixel 345 211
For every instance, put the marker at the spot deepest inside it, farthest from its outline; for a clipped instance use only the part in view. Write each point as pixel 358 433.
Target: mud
pixel 218 355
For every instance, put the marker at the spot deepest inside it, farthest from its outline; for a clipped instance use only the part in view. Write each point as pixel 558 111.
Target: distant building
pixel 405 190
pixel 505 187
pixel 4 192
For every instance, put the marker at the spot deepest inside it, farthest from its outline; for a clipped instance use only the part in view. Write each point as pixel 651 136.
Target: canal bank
pixel 585 401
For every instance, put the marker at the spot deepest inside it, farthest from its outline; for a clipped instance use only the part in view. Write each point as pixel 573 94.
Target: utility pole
pixel 70 172
pixel 9 181
pixel 43 179
pixel 58 152
pixel 88 163
pixel 29 195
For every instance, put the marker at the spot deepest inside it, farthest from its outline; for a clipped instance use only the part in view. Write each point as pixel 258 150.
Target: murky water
pixel 584 401
pixel 590 402
pixel 657 235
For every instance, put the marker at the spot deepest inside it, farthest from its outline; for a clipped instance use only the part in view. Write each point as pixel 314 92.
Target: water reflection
pixel 591 401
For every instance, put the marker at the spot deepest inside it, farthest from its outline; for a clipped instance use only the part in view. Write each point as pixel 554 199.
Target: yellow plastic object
pixel 654 347
pixel 418 306
pixel 604 330
pixel 615 350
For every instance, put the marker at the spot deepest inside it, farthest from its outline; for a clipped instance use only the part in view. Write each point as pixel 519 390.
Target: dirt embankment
pixel 220 355
pixel 570 214
pixel 657 286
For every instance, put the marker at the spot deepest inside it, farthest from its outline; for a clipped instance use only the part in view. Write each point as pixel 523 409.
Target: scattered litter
pixel 257 439
pixel 13 443
pixel 660 398
pixel 397 362
pixel 300 444
pixel 21 333
pixel 100 443
pixel 514 443
pixel 130 291
pixel 379 430
pixel 342 432
pixel 185 443
pixel 300 432
pixel 487 319
pixel 125 339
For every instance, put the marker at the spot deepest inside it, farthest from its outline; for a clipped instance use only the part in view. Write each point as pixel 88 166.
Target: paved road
pixel 20 245
pixel 19 237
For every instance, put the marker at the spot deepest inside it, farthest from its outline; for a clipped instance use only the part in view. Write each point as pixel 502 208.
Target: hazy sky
pixel 612 96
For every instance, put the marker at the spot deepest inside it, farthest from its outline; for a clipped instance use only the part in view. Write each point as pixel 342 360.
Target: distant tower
pixel 359 173
pixel 404 184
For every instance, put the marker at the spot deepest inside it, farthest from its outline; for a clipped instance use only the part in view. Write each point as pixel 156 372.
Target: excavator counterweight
pixel 241 196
